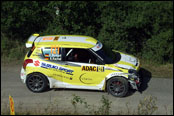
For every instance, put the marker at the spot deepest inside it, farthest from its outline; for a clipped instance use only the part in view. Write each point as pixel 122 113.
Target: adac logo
pixel 93 68
pixel 36 63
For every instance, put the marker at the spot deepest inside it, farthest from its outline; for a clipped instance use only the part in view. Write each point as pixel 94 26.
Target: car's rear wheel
pixel 117 86
pixel 37 82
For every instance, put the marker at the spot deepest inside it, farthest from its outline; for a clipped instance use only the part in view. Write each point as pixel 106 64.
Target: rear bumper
pixel 23 75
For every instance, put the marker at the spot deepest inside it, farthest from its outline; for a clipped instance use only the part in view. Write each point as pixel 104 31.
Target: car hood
pixel 127 62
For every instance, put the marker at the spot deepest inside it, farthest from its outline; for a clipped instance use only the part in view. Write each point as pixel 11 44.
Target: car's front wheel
pixel 37 82
pixel 117 86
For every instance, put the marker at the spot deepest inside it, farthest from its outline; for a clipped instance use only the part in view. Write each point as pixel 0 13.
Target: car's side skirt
pixel 53 83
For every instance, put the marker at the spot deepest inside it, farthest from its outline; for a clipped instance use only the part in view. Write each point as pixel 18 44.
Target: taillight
pixel 26 62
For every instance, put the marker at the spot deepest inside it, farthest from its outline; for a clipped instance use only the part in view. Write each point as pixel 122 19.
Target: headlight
pixel 132 71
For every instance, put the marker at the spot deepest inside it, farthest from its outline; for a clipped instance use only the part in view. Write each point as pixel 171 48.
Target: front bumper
pixel 135 84
pixel 134 79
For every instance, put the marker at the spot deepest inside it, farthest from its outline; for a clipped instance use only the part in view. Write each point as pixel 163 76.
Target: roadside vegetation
pixel 140 28
pixel 146 106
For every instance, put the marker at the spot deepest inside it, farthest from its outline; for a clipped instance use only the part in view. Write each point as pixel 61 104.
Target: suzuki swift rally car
pixel 78 62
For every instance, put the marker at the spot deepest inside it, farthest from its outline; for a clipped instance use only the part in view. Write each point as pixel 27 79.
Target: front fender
pixel 112 75
pixel 115 74
pixel 124 75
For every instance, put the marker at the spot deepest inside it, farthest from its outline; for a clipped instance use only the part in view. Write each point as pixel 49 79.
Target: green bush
pixel 12 50
pixel 159 48
pixel 143 28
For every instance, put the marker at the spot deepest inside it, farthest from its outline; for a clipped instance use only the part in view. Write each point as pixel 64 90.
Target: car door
pixel 52 62
pixel 85 71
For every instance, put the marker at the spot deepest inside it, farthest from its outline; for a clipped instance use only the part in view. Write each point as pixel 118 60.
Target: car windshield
pixel 109 56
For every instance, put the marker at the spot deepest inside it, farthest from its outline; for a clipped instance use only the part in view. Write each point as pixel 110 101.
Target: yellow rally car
pixel 78 62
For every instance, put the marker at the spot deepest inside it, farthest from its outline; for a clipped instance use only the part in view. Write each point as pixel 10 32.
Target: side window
pixel 52 53
pixel 79 55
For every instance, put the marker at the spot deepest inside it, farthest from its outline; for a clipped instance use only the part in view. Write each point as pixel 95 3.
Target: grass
pixel 104 109
pixel 157 70
pixel 146 106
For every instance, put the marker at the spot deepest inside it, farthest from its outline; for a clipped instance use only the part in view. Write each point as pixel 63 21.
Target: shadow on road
pixel 145 77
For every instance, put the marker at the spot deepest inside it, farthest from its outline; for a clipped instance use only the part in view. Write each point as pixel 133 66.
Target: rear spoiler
pixel 31 39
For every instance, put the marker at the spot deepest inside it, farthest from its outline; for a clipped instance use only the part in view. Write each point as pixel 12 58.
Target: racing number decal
pixel 52 53
pixel 53 50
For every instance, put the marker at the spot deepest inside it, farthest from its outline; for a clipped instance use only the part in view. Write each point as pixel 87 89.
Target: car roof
pixel 67 41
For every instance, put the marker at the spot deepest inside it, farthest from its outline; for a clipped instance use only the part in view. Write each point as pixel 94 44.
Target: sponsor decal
pixel 110 68
pixel 62 69
pixel 36 54
pixel 66 70
pixel 93 68
pixel 63 37
pixel 85 80
pixel 118 74
pixel 36 63
pixel 56 38
pixel 61 76
pixel 57 75
pixel 47 38
pixel 55 58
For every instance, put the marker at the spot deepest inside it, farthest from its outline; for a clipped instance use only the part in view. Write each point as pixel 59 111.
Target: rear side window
pixel 31 50
pixel 52 53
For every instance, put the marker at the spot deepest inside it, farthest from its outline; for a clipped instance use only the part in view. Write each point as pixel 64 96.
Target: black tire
pixel 37 82
pixel 117 86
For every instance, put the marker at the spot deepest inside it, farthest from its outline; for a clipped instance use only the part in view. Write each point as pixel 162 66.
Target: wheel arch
pixel 123 80
pixel 46 77
pixel 107 79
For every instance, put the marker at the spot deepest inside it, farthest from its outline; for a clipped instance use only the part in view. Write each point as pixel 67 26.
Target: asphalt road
pixel 60 99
